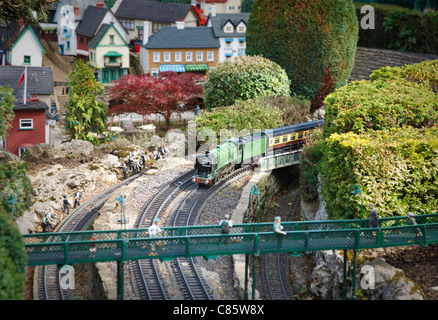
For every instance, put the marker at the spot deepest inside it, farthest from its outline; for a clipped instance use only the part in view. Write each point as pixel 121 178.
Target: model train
pixel 212 166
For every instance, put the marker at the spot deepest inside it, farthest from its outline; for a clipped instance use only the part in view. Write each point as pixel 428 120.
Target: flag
pixel 21 78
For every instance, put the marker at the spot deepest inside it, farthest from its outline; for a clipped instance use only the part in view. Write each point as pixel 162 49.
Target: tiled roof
pixel 221 19
pixel 189 37
pixel 10 32
pixel 82 4
pixel 40 105
pixel 152 11
pixel 100 33
pixel 39 80
pixel 91 21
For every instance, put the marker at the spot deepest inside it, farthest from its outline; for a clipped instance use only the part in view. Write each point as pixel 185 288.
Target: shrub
pixel 313 40
pixel 400 29
pixel 12 260
pixel 424 73
pixel 14 181
pixel 379 104
pixel 396 169
pixel 261 113
pixel 310 160
pixel 244 78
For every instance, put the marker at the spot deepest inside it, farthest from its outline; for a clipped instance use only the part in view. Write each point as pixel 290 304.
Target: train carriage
pixel 249 149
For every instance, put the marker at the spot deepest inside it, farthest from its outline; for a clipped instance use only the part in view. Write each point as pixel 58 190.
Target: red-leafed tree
pixel 146 94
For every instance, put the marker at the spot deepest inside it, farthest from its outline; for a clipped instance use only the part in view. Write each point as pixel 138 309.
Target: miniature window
pixel 156 57
pixel 210 56
pixel 189 56
pixel 178 56
pixel 26 124
pixel 26 60
pixel 167 57
pixel 199 56
pixel 111 39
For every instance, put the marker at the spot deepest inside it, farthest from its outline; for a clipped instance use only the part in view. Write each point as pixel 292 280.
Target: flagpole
pixel 25 85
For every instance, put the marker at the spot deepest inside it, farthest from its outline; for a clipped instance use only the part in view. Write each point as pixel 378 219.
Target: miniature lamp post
pixel 256 192
pixel 122 200
pixel 11 204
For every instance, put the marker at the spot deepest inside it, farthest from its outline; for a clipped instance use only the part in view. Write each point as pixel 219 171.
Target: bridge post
pixel 121 272
pixel 354 273
pixel 245 293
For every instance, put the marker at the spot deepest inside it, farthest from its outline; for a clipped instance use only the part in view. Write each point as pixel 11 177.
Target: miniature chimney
pixel 213 10
pixel 34 98
pixel 21 22
pixel 146 25
pixel 76 9
pixel 99 4
pixel 179 24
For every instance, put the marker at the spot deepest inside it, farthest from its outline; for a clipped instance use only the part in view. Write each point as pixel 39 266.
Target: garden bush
pixel 424 73
pixel 12 259
pixel 244 78
pixel 397 169
pixel 379 104
pixel 261 113
pixel 14 181
pixel 313 40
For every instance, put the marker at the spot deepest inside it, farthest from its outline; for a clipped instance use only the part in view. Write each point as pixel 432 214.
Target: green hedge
pixel 12 259
pixel 244 78
pixel 396 169
pixel 400 29
pixel 261 113
pixel 379 104
pixel 424 73
pixel 14 181
pixel 313 40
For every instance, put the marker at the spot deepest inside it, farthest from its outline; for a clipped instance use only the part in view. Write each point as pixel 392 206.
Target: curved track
pixel 189 201
pixel 47 277
pixel 275 277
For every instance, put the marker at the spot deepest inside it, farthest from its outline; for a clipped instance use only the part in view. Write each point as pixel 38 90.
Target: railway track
pixel 275 277
pixel 147 276
pixel 47 277
pixel 190 200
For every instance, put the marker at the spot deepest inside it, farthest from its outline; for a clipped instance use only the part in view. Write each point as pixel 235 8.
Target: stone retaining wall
pixel 369 59
pixel 268 184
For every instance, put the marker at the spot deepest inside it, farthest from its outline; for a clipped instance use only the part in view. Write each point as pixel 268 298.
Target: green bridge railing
pixel 215 229
pixel 212 245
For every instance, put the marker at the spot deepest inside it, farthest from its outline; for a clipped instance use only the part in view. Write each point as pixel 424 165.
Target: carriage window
pixel 300 135
pixel 284 138
pixel 305 134
pixel 277 140
pixel 292 137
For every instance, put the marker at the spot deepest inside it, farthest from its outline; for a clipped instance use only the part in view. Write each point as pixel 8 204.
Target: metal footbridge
pixel 190 241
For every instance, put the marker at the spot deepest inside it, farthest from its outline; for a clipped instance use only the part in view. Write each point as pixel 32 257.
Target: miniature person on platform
pixel 278 229
pixel 78 197
pixel 154 229
pixel 65 205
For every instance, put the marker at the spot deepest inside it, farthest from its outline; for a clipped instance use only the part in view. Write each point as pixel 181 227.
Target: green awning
pixel 113 54
pixel 197 67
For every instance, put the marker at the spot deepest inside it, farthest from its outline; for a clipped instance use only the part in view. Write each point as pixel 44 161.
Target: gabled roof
pixel 189 37
pixel 91 21
pixel 10 35
pixel 82 4
pixel 152 11
pixel 39 80
pixel 101 33
pixel 218 22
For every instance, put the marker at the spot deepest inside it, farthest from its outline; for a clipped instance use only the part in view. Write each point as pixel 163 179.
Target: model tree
pixel 146 94
pixel 23 9
pixel 86 116
pixel 7 101
pixel 313 40
pixel 12 259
